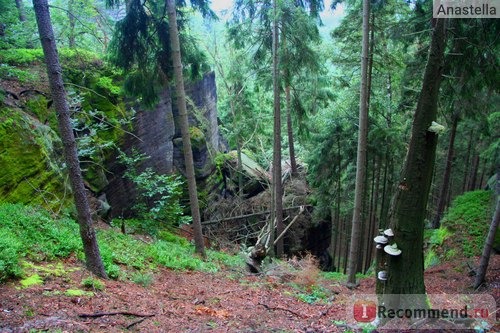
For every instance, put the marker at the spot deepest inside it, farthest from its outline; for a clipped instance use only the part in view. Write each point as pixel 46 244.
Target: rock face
pixel 30 162
pixel 155 134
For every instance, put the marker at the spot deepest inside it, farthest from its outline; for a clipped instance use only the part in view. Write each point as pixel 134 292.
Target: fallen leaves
pixel 205 310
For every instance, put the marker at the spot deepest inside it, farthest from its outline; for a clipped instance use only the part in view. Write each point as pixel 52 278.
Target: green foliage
pixel 10 248
pixel 31 280
pixel 142 279
pixel 141 46
pixel 431 259
pixel 159 195
pixel 12 72
pixel 469 218
pixel 314 294
pixel 42 237
pixel 94 284
pixel 107 84
pixel 439 236
pixel 16 56
pixel 78 293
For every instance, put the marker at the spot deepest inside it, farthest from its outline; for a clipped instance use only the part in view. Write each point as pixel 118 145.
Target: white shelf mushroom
pixel 436 128
pixel 389 232
pixel 382 275
pixel 381 239
pixel 392 250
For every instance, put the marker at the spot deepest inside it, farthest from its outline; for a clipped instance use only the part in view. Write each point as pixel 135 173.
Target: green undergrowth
pixel 463 228
pixel 30 235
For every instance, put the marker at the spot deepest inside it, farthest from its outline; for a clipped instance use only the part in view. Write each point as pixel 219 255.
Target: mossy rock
pixel 198 140
pixel 30 160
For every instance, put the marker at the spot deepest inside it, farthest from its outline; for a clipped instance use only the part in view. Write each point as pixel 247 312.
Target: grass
pixel 30 235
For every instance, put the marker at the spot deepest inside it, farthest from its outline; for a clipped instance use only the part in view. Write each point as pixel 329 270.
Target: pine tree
pixel 54 71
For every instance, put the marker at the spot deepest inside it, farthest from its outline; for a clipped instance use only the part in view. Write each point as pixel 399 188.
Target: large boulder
pixel 156 134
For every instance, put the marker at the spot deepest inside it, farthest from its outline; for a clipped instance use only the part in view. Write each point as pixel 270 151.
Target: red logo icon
pixel 365 311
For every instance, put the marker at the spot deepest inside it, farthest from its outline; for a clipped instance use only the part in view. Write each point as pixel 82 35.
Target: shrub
pixel 143 279
pixel 10 248
pixel 91 283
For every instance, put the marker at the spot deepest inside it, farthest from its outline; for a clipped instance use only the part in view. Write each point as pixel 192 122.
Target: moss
pixel 78 292
pixel 37 107
pixel 21 56
pixel 30 162
pixel 197 137
pixel 32 280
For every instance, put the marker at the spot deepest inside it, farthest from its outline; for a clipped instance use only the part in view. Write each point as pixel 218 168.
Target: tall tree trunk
pixel 54 71
pixel 473 173
pixel 184 125
pixel 288 106
pixel 21 11
pixel 337 208
pixel 488 245
pixel 467 159
pixel 278 188
pixel 361 155
pixel 72 24
pixel 289 126
pixel 406 271
pixel 443 196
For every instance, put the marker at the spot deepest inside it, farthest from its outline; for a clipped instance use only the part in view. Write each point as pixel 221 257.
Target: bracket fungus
pixel 382 275
pixel 436 128
pixel 389 232
pixel 381 239
pixel 392 250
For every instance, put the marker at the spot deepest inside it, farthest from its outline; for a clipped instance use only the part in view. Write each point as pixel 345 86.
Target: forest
pixel 248 166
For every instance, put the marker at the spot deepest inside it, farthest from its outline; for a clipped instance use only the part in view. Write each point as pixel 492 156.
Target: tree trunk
pixel 72 23
pixel 467 159
pixel 485 257
pixel 21 11
pixel 473 173
pixel 278 188
pixel 184 126
pixel 288 106
pixel 446 177
pixel 361 155
pixel 289 125
pixel 406 271
pixel 54 71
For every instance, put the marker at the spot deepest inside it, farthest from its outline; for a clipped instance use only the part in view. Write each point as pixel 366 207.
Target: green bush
pixel 142 279
pixel 10 247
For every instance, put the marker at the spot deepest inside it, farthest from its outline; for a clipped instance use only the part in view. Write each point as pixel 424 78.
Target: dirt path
pixel 195 302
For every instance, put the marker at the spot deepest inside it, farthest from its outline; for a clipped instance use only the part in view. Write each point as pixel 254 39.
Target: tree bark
pixel 54 71
pixel 488 245
pixel 184 126
pixel 21 11
pixel 288 106
pixel 72 24
pixel 278 188
pixel 289 126
pixel 473 173
pixel 443 197
pixel 361 154
pixel 406 218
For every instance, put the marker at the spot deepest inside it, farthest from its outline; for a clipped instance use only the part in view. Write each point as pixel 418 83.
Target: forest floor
pixel 228 301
